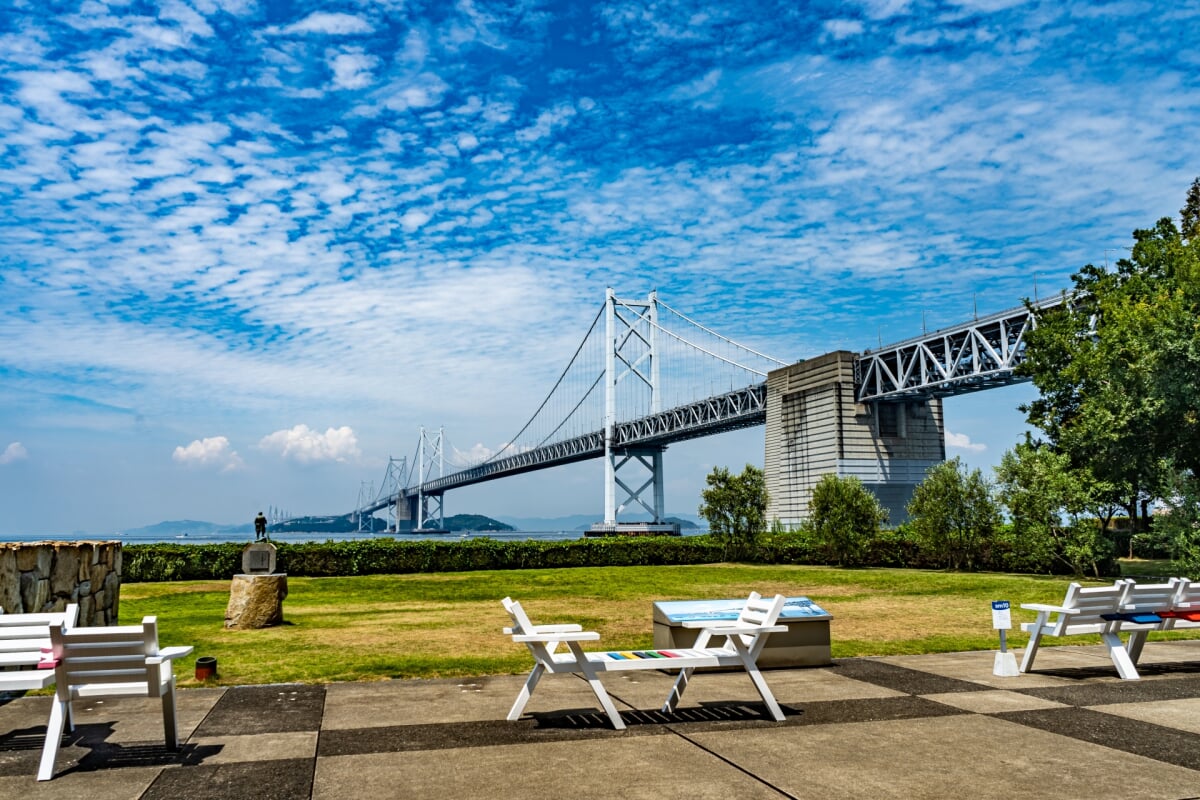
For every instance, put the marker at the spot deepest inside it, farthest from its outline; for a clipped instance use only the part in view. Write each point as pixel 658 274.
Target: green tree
pixel 1180 526
pixel 843 519
pixel 953 515
pixel 735 507
pixel 1118 366
pixel 1058 514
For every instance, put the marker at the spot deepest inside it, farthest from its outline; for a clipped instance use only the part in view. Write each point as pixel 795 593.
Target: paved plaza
pixel 935 726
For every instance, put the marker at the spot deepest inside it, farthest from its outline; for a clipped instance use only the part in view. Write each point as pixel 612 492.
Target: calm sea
pixel 297 536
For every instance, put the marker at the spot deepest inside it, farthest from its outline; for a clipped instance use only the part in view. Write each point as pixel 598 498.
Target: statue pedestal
pixel 256 601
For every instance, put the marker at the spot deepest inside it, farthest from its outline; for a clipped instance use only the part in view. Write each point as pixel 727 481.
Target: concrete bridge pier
pixel 815 427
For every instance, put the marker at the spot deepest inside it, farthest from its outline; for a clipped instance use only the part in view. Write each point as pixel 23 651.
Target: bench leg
pixel 1134 646
pixel 54 733
pixel 591 675
pixel 1120 658
pixel 1035 638
pixel 764 691
pixel 526 691
pixel 676 694
pixel 170 722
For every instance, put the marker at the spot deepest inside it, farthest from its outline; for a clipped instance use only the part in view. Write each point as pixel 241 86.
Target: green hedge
pixel 386 556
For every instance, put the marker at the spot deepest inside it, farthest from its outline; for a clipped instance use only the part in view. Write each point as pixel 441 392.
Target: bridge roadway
pixel 742 408
pixel 979 354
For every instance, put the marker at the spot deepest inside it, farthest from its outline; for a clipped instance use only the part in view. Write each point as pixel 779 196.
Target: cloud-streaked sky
pixel 247 249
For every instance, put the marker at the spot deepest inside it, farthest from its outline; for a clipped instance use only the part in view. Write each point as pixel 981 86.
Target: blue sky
pixel 247 249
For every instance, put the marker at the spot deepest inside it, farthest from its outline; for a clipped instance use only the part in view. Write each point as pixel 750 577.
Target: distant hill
pixel 473 522
pixel 344 523
pixel 182 526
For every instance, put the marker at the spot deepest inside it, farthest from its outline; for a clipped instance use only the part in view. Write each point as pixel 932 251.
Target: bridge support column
pixel 815 428
pixel 650 459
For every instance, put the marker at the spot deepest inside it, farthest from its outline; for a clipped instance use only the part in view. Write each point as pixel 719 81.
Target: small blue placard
pixel 699 610
pixel 1001 615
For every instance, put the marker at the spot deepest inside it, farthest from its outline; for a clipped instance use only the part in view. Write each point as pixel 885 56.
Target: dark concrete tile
pixel 445 736
pixel 1168 745
pixel 253 780
pixel 1107 693
pixel 246 710
pixel 902 679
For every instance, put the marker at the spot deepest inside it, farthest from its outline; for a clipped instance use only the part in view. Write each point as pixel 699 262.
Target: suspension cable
pixel 719 336
pixel 557 383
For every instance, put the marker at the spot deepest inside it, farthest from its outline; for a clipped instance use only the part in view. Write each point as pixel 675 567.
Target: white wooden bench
pixel 113 661
pixel 1176 604
pixel 1084 611
pixel 744 639
pixel 25 644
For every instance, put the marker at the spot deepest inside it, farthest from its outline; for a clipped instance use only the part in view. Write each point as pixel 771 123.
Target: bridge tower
pixel 815 427
pixel 631 354
pixel 429 505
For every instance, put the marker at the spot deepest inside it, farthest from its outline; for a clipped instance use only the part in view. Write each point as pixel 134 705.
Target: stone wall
pixel 46 576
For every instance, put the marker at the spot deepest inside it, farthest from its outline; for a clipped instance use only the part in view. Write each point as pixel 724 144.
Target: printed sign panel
pixel 696 610
pixel 1001 615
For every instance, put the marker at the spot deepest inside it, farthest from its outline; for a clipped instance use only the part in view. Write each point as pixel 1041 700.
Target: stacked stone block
pixel 37 577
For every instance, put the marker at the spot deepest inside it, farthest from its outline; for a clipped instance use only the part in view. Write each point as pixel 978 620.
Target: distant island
pixel 348 523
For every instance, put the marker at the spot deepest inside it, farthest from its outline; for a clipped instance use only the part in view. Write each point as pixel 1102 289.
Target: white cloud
pixel 960 441
pixel 547 122
pixel 330 24
pixel 14 452
pixel 308 446
pixel 352 70
pixel 843 28
pixel 214 451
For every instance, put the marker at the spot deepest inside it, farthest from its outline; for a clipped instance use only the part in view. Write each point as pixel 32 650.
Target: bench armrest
pixel 734 629
pixel 551 629
pixel 1044 607
pixel 168 653
pixel 567 636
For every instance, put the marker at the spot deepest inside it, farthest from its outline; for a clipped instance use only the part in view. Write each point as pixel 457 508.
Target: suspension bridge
pixel 646 375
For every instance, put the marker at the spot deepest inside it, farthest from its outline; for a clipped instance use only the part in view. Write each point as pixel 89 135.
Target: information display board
pixel 804 644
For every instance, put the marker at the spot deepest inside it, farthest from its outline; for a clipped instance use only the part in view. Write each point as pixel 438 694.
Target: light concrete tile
pixel 261 747
pixel 992 701
pixel 974 756
pixel 126 783
pixel 140 719
pixel 977 666
pixel 632 768
pixel 1183 715
pixel 387 703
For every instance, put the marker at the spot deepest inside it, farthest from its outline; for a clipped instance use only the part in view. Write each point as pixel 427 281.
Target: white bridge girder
pixel 976 355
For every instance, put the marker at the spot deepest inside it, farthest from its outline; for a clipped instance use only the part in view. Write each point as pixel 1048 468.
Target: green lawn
pixel 448 624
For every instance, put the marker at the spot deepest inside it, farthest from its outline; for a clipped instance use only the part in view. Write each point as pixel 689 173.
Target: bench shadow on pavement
pixel 1178 668
pixel 590 719
pixel 99 752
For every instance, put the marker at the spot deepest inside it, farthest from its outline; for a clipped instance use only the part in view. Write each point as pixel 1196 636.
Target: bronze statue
pixel 260 528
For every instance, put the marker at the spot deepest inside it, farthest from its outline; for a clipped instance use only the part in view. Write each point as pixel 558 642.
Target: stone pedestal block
pixel 255 601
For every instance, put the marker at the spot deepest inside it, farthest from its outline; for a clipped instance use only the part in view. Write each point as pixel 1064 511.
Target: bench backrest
pixel 1089 603
pixel 1149 597
pixel 24 636
pixel 108 655
pixel 761 610
pixel 1187 595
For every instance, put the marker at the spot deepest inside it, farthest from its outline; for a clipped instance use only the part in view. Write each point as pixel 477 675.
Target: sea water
pixel 293 537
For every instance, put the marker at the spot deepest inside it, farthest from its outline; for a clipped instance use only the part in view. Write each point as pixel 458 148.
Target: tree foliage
pixel 954 515
pixel 1057 512
pixel 1180 526
pixel 1118 366
pixel 735 507
pixel 843 519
